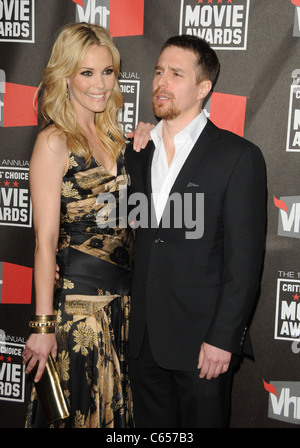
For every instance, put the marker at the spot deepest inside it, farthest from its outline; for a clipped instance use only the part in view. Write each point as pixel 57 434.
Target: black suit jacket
pixel 186 290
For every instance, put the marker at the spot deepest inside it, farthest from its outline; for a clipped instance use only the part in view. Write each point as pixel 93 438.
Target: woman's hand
pixel 141 135
pixel 37 349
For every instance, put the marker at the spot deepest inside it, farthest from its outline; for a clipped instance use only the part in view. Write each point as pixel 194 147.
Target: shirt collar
pixel 191 131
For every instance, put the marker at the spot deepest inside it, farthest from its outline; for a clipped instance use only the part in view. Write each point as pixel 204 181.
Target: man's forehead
pixel 180 56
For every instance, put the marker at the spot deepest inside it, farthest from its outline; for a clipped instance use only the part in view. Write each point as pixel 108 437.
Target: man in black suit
pixel 198 259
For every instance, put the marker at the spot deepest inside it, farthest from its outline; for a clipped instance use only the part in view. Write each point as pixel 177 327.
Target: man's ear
pixel 205 87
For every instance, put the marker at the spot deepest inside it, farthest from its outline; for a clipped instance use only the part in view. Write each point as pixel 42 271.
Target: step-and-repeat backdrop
pixel 257 96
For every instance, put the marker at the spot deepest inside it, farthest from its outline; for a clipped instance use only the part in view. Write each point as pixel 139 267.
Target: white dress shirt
pixel 163 176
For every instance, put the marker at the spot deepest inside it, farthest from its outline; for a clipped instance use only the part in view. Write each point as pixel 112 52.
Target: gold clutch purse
pixel 50 394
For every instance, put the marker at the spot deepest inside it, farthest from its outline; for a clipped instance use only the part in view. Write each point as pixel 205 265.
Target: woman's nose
pixel 99 82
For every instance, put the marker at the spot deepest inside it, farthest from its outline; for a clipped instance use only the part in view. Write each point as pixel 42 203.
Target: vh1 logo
pixel 16 104
pixel 122 18
pixel 284 401
pixel 289 216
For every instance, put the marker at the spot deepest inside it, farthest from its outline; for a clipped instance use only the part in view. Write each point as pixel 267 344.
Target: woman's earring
pixel 68 92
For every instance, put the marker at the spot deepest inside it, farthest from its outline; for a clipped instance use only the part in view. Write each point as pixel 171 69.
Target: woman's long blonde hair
pixel 67 54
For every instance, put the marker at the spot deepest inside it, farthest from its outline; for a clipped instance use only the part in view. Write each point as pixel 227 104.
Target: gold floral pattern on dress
pixel 68 284
pixel 79 420
pixel 91 179
pixel 68 191
pixel 64 364
pixel 72 162
pixel 84 337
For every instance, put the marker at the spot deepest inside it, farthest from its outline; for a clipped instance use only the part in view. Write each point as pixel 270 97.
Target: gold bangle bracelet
pixel 33 324
pixel 44 323
pixel 43 317
pixel 43 330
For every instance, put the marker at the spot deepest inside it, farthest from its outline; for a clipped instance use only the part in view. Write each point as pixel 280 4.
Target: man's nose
pixel 163 80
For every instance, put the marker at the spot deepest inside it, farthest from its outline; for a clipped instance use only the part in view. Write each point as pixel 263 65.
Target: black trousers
pixel 165 398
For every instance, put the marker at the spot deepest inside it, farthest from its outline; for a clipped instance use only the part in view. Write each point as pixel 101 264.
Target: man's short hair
pixel 208 62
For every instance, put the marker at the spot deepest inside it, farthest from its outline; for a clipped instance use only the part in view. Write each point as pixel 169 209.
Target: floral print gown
pixel 92 301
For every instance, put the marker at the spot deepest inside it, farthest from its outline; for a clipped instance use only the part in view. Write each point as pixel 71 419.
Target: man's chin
pixel 168 114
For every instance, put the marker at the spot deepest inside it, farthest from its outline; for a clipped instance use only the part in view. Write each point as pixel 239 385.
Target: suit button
pixel 158 240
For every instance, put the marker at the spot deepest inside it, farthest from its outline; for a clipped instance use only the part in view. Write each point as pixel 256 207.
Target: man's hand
pixel 212 361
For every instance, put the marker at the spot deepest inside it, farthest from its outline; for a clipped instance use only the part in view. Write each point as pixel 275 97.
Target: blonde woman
pixel 76 162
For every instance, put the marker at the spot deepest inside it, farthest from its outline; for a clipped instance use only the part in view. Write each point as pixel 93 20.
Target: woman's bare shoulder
pixel 52 138
pixel 50 150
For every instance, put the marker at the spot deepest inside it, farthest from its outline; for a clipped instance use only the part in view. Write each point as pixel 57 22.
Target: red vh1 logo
pixel 16 104
pixel 122 18
pixel 15 284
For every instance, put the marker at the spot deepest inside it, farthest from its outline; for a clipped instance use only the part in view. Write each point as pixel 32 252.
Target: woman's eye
pixel 109 71
pixel 87 73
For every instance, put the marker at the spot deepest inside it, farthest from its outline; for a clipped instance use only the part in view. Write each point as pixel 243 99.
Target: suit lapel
pixel 147 163
pixel 195 159
pixel 147 169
